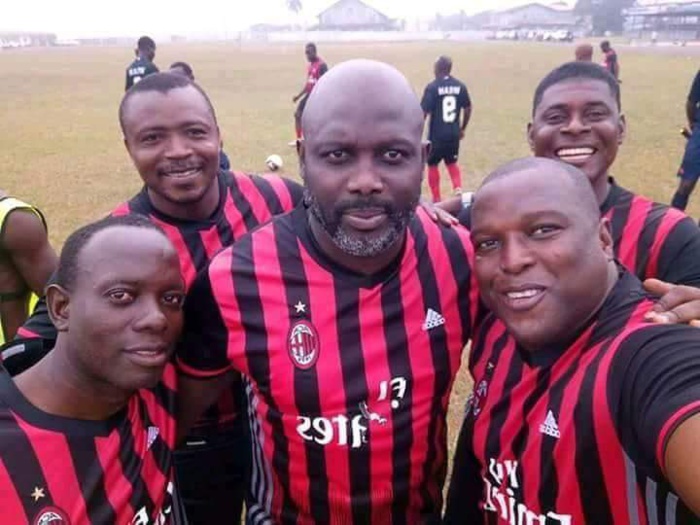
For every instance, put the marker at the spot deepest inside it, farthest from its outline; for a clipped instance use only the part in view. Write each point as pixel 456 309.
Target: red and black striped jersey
pixel 60 470
pixel 652 239
pixel 348 375
pixel 246 201
pixel 577 433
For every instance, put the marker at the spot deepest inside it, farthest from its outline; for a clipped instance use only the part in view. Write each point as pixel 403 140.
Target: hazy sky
pixel 74 18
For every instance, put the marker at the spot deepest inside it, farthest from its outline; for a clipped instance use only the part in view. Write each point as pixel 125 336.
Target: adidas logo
pixel 550 427
pixel 151 436
pixel 432 320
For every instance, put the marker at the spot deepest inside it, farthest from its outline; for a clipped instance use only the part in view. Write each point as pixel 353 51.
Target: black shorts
pixel 212 475
pixel 443 151
pixel 300 107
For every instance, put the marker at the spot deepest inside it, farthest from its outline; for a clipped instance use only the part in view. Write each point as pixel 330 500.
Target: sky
pixel 86 18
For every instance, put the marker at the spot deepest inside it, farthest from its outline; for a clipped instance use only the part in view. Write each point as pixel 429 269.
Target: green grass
pixel 61 146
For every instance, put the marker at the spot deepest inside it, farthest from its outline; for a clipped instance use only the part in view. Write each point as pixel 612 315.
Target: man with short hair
pixel 27 260
pixel 172 136
pixel 582 412
pixel 143 65
pixel 183 68
pixel 317 68
pixel 584 52
pixel 347 318
pixel 577 118
pixel 88 432
pixel 446 102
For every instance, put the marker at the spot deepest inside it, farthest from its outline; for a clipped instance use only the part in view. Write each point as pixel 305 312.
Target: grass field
pixel 61 147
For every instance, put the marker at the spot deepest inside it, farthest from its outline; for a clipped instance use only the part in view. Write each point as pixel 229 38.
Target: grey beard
pixel 355 245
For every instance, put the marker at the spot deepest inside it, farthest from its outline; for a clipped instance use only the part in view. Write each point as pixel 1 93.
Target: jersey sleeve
pixel 202 350
pixel 654 385
pixel 694 94
pixel 428 100
pixel 465 99
pixel 322 69
pixel 679 257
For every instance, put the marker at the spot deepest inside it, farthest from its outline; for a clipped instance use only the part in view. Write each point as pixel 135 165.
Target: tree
pixel 606 15
pixel 294 5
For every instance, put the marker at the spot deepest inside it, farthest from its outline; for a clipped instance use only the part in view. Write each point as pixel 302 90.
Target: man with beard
pixel 347 317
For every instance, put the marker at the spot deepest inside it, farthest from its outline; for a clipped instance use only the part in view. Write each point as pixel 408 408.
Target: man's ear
pixel 301 153
pixel 530 140
pixel 605 236
pixel 58 304
pixel 622 129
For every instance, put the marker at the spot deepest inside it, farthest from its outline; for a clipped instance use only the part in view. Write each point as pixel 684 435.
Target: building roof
pixel 665 8
pixel 361 2
pixel 556 6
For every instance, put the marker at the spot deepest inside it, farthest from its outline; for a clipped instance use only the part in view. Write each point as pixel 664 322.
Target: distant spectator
pixel 689 171
pixel 143 65
pixel 584 52
pixel 184 69
pixel 610 61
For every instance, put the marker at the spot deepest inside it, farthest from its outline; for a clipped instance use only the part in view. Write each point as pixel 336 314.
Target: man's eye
pixel 545 230
pixel 336 155
pixel 196 132
pixel 120 296
pixel 555 118
pixel 393 155
pixel 150 138
pixel 174 299
pixel 485 245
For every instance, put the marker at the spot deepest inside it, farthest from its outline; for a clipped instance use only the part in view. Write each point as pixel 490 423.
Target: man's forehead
pixel 570 91
pixel 529 191
pixel 155 101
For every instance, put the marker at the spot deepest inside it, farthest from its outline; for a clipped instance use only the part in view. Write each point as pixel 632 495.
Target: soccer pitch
pixel 62 150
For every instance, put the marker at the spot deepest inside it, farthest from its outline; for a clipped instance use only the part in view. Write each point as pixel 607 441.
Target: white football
pixel 274 162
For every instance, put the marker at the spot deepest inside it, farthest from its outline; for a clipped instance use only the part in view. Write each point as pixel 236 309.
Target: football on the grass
pixel 273 162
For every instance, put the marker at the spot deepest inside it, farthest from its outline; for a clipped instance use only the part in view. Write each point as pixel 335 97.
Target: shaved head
pixel 362 160
pixel 565 177
pixel 543 256
pixel 355 83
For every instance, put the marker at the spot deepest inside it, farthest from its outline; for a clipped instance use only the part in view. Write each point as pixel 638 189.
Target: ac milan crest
pixel 303 345
pixel 51 516
pixel 475 401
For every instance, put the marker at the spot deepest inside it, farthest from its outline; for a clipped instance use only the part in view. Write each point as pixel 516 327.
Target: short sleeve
pixel 679 256
pixel 466 100
pixel 694 95
pixel 428 100
pixel 202 351
pixel 653 386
